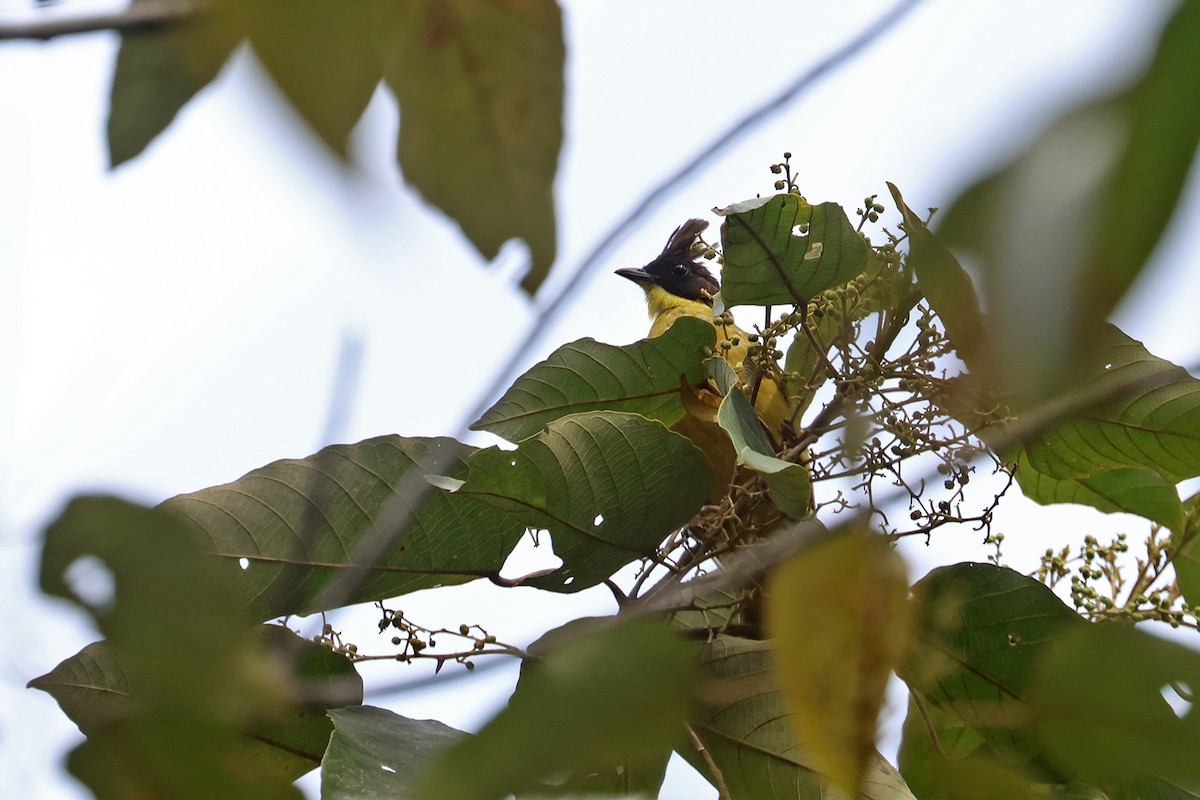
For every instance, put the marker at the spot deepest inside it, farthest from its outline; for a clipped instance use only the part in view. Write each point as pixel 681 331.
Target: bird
pixel 676 285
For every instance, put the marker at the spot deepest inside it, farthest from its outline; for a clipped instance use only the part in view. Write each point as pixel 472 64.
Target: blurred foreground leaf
pixel 480 88
pixel 839 618
pixel 202 673
pixel 1061 232
pixel 321 57
pixel 158 72
pixel 592 701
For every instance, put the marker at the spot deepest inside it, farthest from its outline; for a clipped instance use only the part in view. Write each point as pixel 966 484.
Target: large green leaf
pixel 158 72
pixel 1135 491
pixel 376 753
pixel 608 486
pixel 600 694
pixel 480 87
pixel 768 263
pixel 980 630
pixel 1125 451
pixel 744 727
pixel 322 56
pixel 308 531
pixel 790 484
pixel 586 375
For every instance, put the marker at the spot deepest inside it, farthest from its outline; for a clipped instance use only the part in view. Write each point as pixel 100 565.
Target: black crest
pixel 675 270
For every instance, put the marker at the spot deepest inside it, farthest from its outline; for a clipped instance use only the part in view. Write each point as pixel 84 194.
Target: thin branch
pixel 713 769
pixel 139 18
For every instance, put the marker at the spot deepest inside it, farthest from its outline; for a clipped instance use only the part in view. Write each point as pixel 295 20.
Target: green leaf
pixel 1185 558
pixel 1146 422
pixel 320 54
pixel 376 753
pixel 586 375
pixel 613 695
pixel 1135 491
pixel 790 484
pixel 1099 701
pixel 980 631
pixel 839 618
pixel 158 72
pixel 309 529
pixel 480 88
pixel 607 486
pixel 1152 419
pixel 946 285
pixel 766 263
pixel 745 729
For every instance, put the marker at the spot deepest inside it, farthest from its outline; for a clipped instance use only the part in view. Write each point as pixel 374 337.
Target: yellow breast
pixel 772 403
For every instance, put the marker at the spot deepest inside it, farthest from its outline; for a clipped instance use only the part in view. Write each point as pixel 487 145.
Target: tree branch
pixel 147 16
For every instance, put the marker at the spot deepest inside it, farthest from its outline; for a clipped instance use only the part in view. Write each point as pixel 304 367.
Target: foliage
pixel 751 638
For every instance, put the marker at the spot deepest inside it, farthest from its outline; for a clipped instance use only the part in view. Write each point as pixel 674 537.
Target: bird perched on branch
pixel 676 285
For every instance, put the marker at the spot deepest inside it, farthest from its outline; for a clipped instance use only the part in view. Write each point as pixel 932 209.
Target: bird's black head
pixel 675 270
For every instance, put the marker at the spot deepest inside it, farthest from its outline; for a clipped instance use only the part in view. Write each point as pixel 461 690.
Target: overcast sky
pixel 178 322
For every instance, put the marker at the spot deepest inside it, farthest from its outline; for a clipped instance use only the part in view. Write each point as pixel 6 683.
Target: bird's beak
pixel 638 276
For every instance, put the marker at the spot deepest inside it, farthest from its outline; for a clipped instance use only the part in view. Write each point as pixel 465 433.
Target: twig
pixel 138 18
pixel 714 771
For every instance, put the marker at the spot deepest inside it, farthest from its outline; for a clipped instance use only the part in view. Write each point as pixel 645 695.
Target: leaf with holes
pixel 608 487
pixel 768 263
pixel 743 724
pixel 312 534
pixel 642 378
pixel 376 753
pixel 980 630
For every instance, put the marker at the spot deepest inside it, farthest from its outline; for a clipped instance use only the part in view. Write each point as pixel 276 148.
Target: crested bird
pixel 676 285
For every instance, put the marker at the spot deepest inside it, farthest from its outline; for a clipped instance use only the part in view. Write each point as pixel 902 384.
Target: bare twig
pixel 714 772
pixel 141 17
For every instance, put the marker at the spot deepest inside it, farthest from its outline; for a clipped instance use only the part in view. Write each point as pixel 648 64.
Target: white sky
pixel 176 323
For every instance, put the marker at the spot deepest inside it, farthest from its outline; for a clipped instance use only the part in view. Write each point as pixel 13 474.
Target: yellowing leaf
pixel 839 617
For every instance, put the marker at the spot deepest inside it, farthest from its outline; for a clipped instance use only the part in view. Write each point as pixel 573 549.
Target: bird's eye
pixel 679 270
